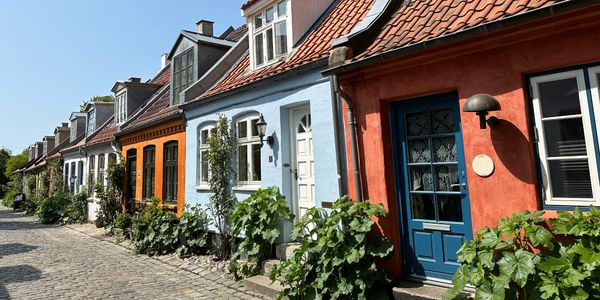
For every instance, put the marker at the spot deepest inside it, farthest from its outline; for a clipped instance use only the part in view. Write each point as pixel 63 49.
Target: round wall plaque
pixel 483 165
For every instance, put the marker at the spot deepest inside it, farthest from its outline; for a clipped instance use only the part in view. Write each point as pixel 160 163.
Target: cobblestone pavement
pixel 51 262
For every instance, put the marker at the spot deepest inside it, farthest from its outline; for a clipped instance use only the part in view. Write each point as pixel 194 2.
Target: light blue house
pixel 273 72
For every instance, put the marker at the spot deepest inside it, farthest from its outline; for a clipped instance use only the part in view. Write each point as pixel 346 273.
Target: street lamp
pixel 261 127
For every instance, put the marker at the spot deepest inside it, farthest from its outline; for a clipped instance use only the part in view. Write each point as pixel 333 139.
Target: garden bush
pixel 192 231
pixel 52 210
pixel 336 258
pixel 258 218
pixel 521 259
pixel 76 210
pixel 8 198
pixel 124 221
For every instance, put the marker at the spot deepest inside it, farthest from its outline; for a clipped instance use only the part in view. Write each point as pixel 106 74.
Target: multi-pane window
pixel 270 37
pixel 101 163
pixel 91 121
pixel 149 172
pixel 203 174
pixel 91 175
pixel 248 152
pixel 121 107
pixel 72 178
pixel 564 133
pixel 73 130
pixel 80 173
pixel 170 172
pixel 183 73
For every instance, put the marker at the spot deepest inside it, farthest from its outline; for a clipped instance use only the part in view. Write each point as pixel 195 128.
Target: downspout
pixel 341 161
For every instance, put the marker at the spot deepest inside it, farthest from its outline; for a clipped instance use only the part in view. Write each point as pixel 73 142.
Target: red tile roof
pixel 418 21
pixel 317 45
pixel 249 3
pixel 105 133
pixel 237 34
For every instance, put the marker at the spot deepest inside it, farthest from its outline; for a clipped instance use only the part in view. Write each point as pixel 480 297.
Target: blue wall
pixel 275 102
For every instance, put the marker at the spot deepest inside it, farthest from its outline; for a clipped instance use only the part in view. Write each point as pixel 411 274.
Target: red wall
pixel 497 65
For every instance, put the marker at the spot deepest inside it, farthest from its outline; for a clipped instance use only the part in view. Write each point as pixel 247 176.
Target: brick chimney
pixel 205 27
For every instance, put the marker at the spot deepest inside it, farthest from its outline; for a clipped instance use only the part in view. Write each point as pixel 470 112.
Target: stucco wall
pixel 497 65
pixel 274 101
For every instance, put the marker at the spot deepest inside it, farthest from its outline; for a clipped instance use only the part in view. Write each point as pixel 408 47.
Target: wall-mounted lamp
pixel 481 104
pixel 261 127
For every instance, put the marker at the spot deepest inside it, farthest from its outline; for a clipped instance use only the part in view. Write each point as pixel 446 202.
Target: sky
pixel 54 54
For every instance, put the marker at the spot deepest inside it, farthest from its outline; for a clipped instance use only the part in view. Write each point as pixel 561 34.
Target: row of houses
pixel 452 114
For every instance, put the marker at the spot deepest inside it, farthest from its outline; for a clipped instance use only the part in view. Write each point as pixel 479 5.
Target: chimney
pixel 64 124
pixel 205 27
pixel 135 79
pixel 164 60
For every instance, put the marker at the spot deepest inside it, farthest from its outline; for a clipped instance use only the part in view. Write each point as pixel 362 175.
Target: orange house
pixel 421 150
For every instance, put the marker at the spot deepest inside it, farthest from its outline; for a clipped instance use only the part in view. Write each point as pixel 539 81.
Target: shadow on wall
pixel 16 274
pixel 513 149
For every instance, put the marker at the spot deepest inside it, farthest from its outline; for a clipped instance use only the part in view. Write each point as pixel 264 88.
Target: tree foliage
pixel 107 98
pixel 16 162
pixel 221 149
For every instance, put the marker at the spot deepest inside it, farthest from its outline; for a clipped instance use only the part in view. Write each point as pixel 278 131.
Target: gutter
pixel 476 31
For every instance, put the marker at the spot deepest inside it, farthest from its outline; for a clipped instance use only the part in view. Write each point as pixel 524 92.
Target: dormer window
pixel 270 34
pixel 183 73
pixel 73 130
pixel 121 107
pixel 91 122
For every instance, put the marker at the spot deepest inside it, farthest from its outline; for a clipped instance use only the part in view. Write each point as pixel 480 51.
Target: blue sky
pixel 56 53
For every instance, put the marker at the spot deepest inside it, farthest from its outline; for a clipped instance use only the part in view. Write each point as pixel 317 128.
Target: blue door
pixel 431 184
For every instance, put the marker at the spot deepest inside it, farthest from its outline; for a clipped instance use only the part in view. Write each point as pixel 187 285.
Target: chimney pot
pixel 205 27
pixel 164 60
pixel 135 79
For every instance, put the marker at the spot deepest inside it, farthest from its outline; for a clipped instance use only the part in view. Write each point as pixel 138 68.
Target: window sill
pixel 246 188
pixel 203 188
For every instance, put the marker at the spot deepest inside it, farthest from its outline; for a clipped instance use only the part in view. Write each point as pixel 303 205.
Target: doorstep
pixel 408 290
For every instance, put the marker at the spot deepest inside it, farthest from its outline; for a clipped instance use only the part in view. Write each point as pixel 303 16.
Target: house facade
pixel 274 76
pixel 74 158
pixel 423 152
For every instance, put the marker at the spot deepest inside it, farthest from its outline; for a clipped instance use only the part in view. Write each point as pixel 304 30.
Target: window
pixel 72 177
pixel 248 152
pixel 270 40
pixel 80 173
pixel 131 174
pixel 66 180
pixel 91 175
pixel 121 107
pixel 203 174
pixel 91 120
pixel 101 162
pixel 183 73
pixel 73 130
pixel 170 173
pixel 149 173
pixel 112 159
pixel 564 134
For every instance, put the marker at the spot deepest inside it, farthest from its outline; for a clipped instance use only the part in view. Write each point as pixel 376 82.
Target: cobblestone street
pixel 51 262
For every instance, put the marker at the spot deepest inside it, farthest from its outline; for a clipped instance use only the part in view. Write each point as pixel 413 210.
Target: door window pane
pixel 560 98
pixel 444 149
pixel 418 151
pixel 442 121
pixel 446 178
pixel 422 206
pixel 564 137
pixel 570 179
pixel 420 178
pixel 450 208
pixel 417 124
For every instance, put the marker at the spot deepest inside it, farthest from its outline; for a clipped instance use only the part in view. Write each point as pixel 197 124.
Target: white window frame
pixel 202 147
pixel 121 107
pixel 588 135
pixel 247 141
pixel 73 132
pixel 91 122
pixel 254 31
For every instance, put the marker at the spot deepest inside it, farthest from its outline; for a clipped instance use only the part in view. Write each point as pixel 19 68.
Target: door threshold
pixel 423 289
pixel 432 281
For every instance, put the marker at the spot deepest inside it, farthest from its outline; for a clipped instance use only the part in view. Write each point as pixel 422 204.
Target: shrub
pixel 76 210
pixel 110 204
pixel 258 219
pixel 8 198
pixel 192 231
pixel 52 209
pixel 30 205
pixel 337 256
pixel 154 230
pixel 124 221
pixel 520 259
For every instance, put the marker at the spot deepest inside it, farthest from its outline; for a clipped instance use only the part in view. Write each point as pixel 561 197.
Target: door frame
pixel 293 160
pixel 431 101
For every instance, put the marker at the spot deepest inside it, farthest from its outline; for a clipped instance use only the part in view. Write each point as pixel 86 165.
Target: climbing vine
pixel 55 171
pixel 220 155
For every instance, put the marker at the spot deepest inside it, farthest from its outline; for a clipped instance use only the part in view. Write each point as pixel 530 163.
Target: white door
pixel 303 167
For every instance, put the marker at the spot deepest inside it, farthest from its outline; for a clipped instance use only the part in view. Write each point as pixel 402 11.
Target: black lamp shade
pixel 481 103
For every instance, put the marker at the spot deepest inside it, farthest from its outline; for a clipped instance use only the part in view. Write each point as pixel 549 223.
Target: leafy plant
pixel 258 219
pixel 76 210
pixel 110 204
pixel 521 259
pixel 124 221
pixel 154 230
pixel 52 209
pixel 8 198
pixel 337 255
pixel 192 231
pixel 221 149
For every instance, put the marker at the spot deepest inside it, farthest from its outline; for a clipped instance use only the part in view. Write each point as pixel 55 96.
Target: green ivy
pixel 336 258
pixel 258 219
pixel 521 259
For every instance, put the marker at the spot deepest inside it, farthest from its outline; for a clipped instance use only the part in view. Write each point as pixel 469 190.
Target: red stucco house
pixel 427 160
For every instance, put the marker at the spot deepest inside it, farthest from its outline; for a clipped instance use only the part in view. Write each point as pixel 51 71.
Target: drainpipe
pixel 339 139
pixel 352 132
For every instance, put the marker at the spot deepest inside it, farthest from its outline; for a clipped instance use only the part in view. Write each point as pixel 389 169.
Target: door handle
pixel 458 185
pixel 295 172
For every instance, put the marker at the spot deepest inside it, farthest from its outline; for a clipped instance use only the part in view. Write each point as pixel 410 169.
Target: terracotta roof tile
pixel 237 34
pixel 317 45
pixel 249 3
pixel 422 20
pixel 105 133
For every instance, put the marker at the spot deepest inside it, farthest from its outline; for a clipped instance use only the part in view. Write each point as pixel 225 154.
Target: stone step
pixel 268 266
pixel 262 285
pixel 408 290
pixel 286 250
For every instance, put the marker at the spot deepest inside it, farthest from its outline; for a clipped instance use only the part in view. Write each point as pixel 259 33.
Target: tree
pixel 4 157
pixel 107 98
pixel 15 162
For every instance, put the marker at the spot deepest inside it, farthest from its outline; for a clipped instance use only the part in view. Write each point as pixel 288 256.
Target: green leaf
pixel 518 265
pixel 552 264
pixel 490 240
pixel 573 277
pixel 548 287
pixel 487 292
